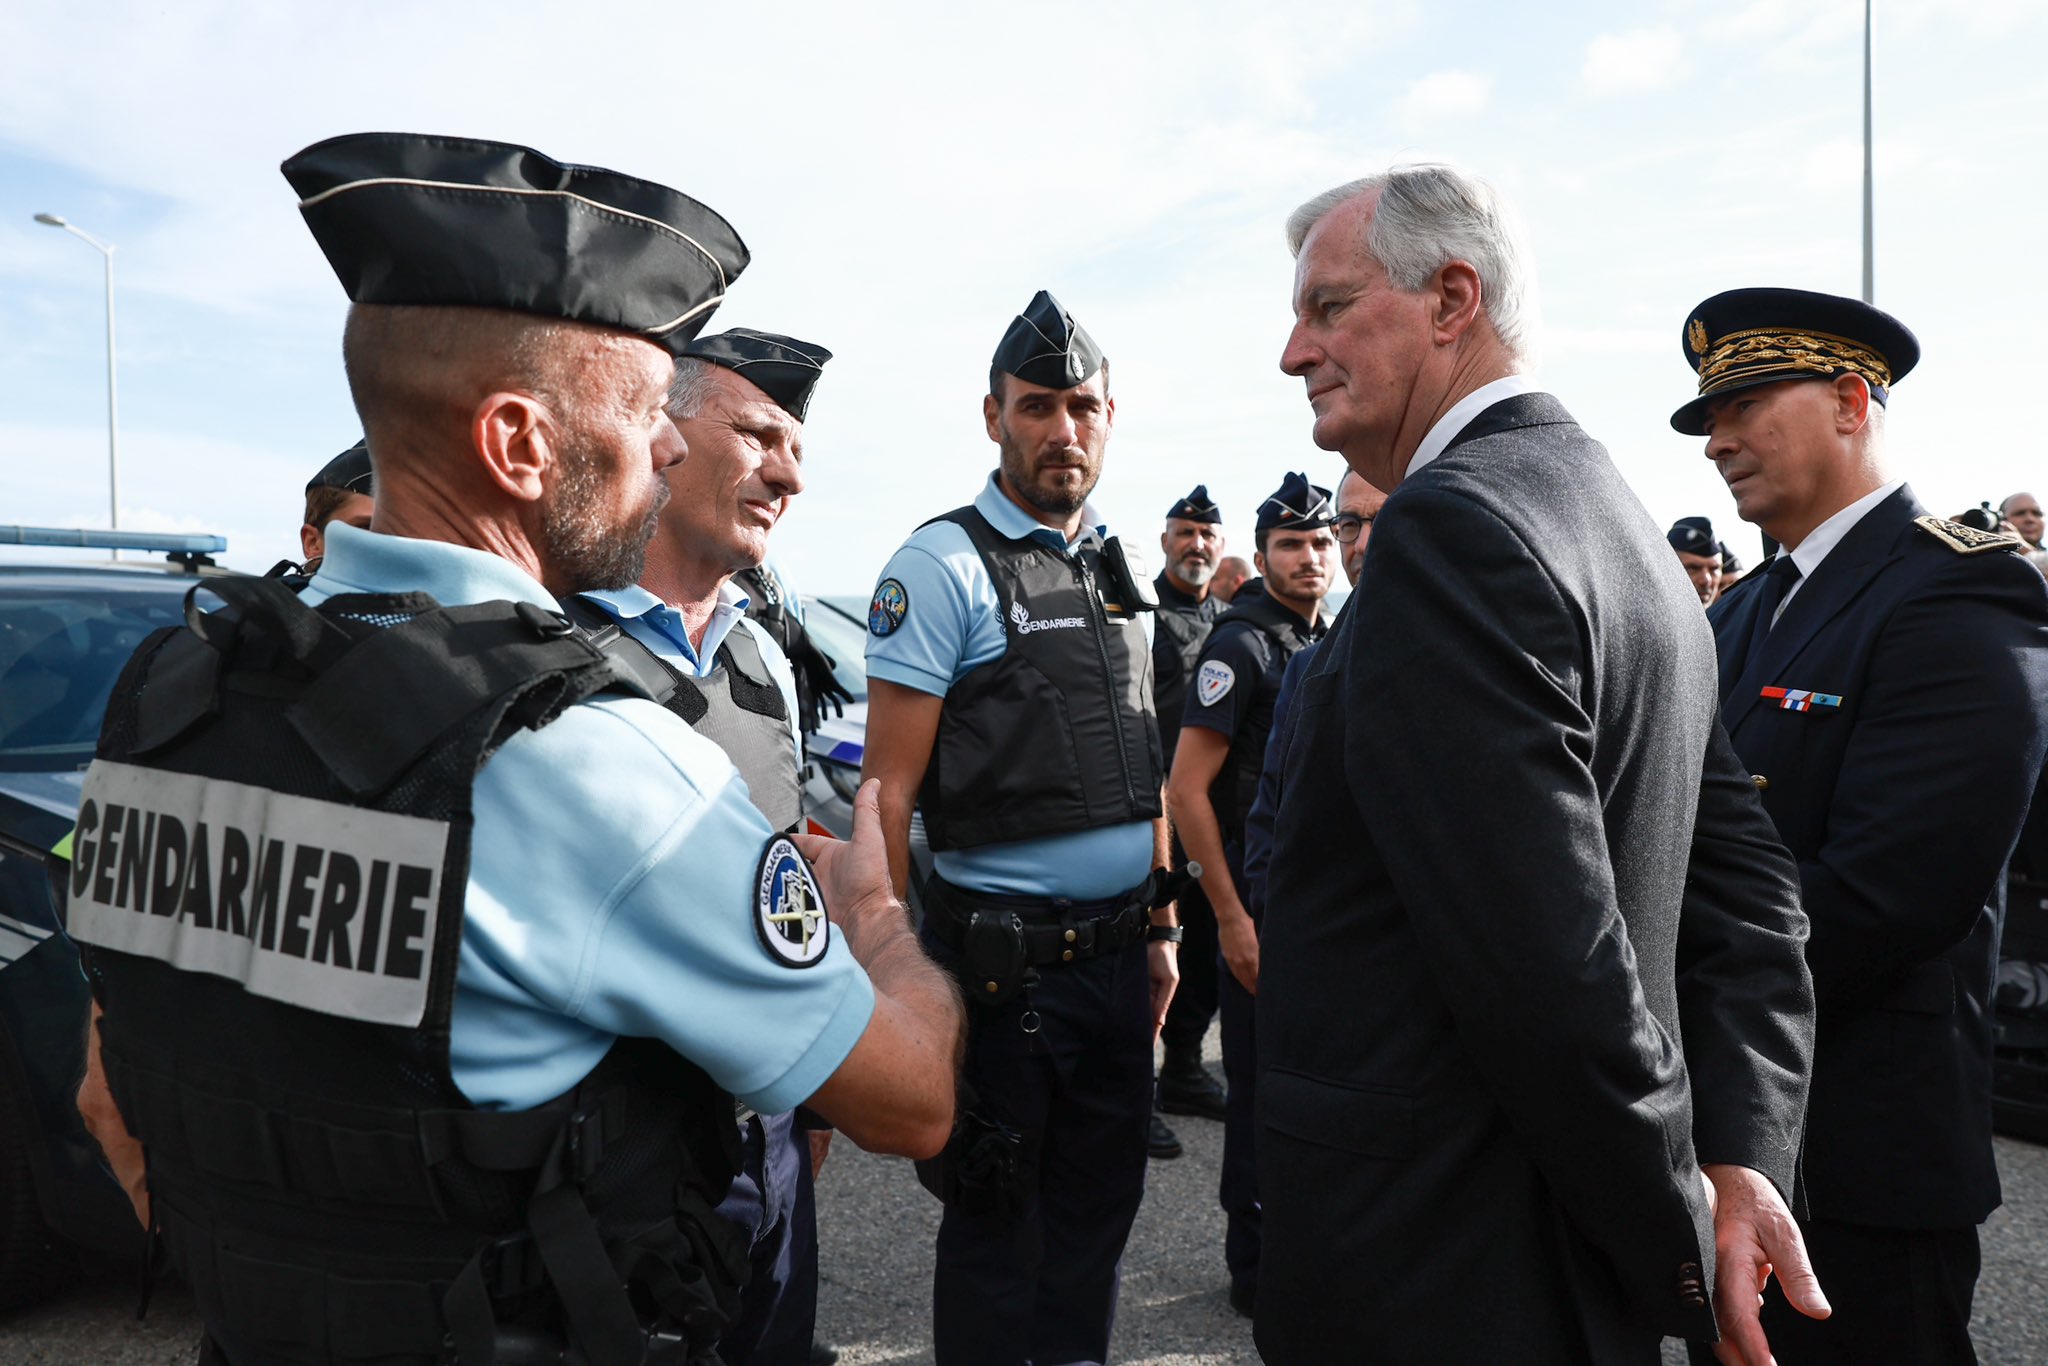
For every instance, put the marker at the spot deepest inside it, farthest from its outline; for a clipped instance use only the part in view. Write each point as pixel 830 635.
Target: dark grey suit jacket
pixel 1532 951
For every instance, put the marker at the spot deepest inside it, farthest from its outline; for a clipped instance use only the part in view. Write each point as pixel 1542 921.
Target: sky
pixel 907 175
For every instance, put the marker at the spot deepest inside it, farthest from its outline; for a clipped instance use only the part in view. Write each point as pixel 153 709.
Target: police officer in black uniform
pixel 323 1018
pixel 1010 696
pixel 739 399
pixel 1193 543
pixel 1884 677
pixel 1225 723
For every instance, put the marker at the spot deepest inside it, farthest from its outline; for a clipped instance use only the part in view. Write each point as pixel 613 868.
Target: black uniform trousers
pixel 1899 1295
pixel 1195 1000
pixel 1237 1190
pixel 1068 1064
pixel 773 1199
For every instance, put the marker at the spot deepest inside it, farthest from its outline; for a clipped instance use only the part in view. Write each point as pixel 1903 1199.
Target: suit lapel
pixel 1735 625
pixel 1849 568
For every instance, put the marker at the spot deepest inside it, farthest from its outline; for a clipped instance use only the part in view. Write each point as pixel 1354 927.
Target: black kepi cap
pixel 1746 337
pixel 1296 505
pixel 783 368
pixel 1693 535
pixel 349 471
pixel 405 218
pixel 1198 506
pixel 1045 346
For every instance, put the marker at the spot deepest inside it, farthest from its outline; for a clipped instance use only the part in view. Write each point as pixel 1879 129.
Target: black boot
pixel 1161 1142
pixel 1186 1088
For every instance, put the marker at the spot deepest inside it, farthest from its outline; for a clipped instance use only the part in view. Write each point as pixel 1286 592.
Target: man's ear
pixel 1458 301
pixel 990 410
pixel 514 437
pixel 311 542
pixel 1259 562
pixel 1852 403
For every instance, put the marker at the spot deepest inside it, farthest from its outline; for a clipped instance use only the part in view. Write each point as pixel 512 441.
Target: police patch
pixel 891 604
pixel 1214 682
pixel 789 907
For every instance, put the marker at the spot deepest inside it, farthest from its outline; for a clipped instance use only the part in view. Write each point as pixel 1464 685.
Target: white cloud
pixel 1446 94
pixel 1633 63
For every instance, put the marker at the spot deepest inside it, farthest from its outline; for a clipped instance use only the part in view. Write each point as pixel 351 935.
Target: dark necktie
pixel 1778 581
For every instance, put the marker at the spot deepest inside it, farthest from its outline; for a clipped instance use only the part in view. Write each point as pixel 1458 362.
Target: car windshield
pixel 844 639
pixel 62 645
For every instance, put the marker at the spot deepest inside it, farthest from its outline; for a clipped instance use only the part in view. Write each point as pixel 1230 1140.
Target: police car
pixel 833 751
pixel 65 632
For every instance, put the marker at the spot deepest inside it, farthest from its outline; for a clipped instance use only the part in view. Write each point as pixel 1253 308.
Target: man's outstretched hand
pixel 1755 1237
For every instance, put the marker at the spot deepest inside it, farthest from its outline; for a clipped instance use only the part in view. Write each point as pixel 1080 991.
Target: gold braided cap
pixel 1763 352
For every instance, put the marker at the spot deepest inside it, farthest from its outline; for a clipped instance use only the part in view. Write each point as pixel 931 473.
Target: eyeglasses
pixel 1348 525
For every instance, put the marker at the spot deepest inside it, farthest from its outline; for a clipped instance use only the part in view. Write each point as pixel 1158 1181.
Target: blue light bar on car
pixel 172 543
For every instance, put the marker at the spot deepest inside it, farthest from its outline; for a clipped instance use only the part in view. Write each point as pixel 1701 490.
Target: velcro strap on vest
pixel 445 665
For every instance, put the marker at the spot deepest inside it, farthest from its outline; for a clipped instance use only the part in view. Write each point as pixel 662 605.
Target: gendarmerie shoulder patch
pixel 789 907
pixel 1966 540
pixel 889 606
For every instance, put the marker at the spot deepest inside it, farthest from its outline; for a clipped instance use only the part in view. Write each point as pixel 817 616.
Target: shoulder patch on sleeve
pixel 1966 540
pixel 789 907
pixel 890 605
pixel 1214 681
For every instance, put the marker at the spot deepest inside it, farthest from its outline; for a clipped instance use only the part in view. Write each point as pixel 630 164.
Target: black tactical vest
pixel 1056 734
pixel 1179 631
pixel 1286 634
pixel 737 707
pixel 768 603
pixel 268 882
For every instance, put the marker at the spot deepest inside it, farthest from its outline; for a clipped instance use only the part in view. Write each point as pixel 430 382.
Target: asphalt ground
pixel 876 1229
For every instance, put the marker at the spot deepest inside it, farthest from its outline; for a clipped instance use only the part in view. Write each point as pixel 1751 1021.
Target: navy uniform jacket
pixel 1531 951
pixel 1179 629
pixel 1901 802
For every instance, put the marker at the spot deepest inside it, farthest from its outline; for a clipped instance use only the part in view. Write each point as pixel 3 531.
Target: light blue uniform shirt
pixel 661 629
pixel 611 887
pixel 955 624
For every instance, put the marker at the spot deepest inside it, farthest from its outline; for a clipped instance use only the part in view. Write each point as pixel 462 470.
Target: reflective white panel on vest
pixel 314 903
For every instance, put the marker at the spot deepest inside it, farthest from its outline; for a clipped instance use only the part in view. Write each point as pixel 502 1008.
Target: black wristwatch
pixel 1162 934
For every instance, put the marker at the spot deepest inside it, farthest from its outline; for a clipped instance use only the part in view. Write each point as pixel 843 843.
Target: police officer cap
pixel 1198 506
pixel 1747 337
pixel 410 219
pixel 1296 505
pixel 1045 346
pixel 349 471
pixel 782 367
pixel 1729 564
pixel 1693 535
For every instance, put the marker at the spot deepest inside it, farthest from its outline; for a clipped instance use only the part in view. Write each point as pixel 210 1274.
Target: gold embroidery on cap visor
pixel 1696 336
pixel 1743 357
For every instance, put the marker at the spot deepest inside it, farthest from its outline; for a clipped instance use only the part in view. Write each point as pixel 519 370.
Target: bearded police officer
pixel 1193 542
pixel 1010 698
pixel 739 399
pixel 1885 678
pixel 432 958
pixel 1226 720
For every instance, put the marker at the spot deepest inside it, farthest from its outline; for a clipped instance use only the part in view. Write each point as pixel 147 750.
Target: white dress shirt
pixel 1810 552
pixel 1463 411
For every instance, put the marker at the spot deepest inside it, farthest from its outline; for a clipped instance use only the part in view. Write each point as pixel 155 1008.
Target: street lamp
pixel 105 249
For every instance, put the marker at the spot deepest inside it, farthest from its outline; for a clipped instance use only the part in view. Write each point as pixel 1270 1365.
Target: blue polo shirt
pixel 661 629
pixel 611 887
pixel 954 624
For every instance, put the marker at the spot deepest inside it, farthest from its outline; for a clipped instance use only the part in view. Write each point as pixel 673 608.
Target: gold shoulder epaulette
pixel 1966 540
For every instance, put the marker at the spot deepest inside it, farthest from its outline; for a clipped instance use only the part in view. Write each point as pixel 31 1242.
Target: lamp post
pixel 106 250
pixel 1869 212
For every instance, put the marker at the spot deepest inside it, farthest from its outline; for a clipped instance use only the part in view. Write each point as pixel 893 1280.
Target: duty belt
pixel 1052 931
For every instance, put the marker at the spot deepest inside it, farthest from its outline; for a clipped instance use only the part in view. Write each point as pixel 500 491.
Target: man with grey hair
pixel 1478 1108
